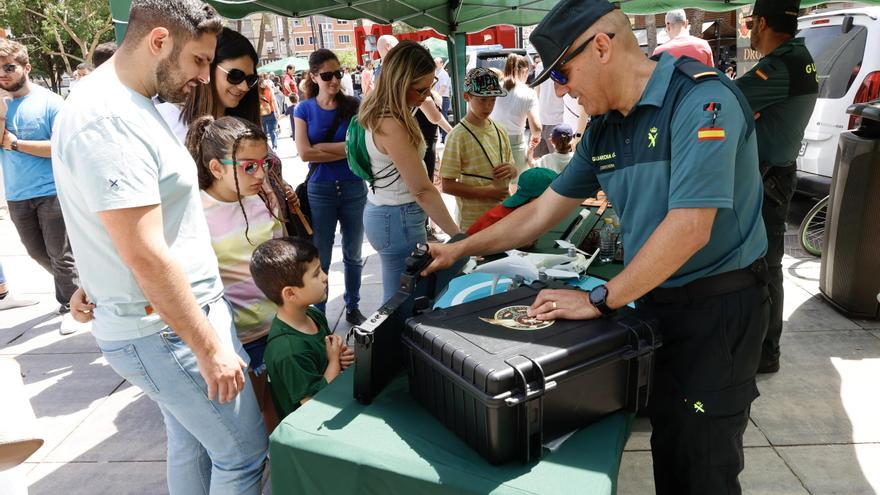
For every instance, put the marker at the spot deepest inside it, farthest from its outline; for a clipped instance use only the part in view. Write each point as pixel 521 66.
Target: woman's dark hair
pixel 203 99
pixel 562 143
pixel 512 67
pixel 280 263
pixel 347 106
pixel 215 139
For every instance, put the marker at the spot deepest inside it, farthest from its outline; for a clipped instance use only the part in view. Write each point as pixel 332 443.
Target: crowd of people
pixel 154 197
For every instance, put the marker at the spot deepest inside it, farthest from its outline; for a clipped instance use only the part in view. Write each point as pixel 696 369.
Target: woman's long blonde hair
pixel 403 65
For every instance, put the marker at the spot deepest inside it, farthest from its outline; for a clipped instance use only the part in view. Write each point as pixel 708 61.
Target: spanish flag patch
pixel 710 134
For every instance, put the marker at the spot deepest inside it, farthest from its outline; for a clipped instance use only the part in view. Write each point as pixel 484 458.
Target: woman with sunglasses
pixel 231 91
pixel 520 105
pixel 336 195
pixel 401 192
pixel 233 161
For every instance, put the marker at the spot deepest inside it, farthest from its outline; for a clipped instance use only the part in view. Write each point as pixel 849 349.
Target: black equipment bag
pixel 377 347
pixel 507 391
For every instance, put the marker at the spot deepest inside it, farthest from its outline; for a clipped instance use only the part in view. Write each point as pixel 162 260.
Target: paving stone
pixel 39 335
pixel 371 300
pixel 765 473
pixel 89 478
pixel 64 390
pixel 836 469
pixel 126 418
pixel 805 312
pixel 819 395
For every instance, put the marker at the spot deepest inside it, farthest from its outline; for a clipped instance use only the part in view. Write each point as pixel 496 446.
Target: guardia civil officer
pixel 781 90
pixel 673 146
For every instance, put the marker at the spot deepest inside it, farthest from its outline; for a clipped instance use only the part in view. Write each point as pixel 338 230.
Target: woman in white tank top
pixel 401 196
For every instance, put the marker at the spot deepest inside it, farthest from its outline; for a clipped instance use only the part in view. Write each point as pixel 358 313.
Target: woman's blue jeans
pixel 340 202
pixel 394 231
pixel 269 125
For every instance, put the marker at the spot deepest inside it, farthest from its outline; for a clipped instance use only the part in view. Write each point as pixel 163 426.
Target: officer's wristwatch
pixel 599 297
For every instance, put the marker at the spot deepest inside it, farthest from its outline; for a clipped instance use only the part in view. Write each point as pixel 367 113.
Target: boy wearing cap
pixel 477 162
pixel 560 138
pixel 532 183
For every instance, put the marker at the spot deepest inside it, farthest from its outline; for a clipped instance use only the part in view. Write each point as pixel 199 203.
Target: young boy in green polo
pixel 302 355
pixel 477 163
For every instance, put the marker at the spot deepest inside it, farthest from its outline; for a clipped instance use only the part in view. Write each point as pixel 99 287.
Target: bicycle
pixel 812 229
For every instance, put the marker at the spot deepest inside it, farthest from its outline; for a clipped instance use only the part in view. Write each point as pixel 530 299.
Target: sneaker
pixel 62 309
pixel 355 317
pixel 10 302
pixel 768 365
pixel 69 325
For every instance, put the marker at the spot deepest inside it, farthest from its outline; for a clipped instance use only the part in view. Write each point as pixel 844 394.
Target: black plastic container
pixel 506 392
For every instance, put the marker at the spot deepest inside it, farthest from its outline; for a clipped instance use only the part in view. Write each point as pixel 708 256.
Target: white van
pixel 846 47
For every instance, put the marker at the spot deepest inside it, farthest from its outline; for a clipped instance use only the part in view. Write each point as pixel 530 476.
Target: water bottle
pixel 606 242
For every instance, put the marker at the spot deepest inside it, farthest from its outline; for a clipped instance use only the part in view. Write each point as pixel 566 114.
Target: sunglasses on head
pixel 250 166
pixel 328 76
pixel 9 68
pixel 557 75
pixel 237 76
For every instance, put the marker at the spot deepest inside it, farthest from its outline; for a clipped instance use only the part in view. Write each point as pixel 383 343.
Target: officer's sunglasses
pixel 250 166
pixel 237 76
pixel 328 76
pixel 9 68
pixel 557 75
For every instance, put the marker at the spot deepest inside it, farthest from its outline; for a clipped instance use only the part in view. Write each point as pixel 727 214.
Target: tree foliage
pixel 59 34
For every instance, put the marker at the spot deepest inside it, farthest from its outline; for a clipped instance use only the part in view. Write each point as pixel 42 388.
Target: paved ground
pixel 813 430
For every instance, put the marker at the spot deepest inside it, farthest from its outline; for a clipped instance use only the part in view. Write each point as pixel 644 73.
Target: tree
pixel 695 19
pixel 59 34
pixel 651 32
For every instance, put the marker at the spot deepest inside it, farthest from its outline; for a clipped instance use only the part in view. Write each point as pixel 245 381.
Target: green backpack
pixel 356 151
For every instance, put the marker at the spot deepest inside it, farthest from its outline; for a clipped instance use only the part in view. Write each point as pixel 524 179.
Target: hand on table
pixel 556 304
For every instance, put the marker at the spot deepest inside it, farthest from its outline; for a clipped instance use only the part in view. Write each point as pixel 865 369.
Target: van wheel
pixel 812 229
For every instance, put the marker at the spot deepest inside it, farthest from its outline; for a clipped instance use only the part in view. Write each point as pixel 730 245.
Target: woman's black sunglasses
pixel 328 76
pixel 237 76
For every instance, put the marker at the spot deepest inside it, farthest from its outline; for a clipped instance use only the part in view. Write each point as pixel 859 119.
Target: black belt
pixel 711 286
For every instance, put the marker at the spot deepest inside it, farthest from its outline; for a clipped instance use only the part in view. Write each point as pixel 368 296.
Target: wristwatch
pixel 14 145
pixel 599 297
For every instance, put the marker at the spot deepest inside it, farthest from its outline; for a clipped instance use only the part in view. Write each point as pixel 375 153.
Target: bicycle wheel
pixel 812 229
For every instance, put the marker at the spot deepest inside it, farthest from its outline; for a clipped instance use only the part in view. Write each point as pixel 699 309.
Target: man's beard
pixel 14 87
pixel 170 81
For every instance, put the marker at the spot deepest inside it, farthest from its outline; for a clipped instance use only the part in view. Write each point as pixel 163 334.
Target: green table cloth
pixel 333 445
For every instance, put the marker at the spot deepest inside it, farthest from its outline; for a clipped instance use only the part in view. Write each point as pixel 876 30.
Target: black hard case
pixel 378 351
pixel 505 392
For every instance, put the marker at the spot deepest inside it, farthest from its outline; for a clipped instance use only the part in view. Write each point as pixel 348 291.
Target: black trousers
pixel 775 212
pixel 40 226
pixel 704 383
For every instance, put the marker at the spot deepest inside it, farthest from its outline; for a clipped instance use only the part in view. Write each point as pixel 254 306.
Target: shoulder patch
pixel 695 70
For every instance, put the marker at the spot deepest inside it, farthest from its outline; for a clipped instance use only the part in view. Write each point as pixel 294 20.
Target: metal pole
pixel 456 45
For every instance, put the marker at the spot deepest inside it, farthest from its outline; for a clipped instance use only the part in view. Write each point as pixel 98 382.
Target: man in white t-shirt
pixel 347 83
pixel 443 87
pixel 552 111
pixel 128 190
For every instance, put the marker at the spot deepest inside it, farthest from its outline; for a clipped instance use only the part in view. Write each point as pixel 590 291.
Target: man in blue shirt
pixel 673 145
pixel 27 117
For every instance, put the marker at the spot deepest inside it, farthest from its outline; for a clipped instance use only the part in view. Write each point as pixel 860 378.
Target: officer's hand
pixel 554 304
pixel 504 171
pixel 444 255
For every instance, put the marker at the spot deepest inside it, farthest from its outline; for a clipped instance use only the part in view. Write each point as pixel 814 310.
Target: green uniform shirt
pixel 782 90
pixel 296 362
pixel 681 146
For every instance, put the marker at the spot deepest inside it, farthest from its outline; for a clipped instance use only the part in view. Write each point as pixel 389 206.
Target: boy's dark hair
pixel 280 263
pixel 103 52
pixel 184 19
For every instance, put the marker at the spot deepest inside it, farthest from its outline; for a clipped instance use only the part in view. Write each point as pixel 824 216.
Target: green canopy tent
pixel 437 47
pixel 279 66
pixel 453 18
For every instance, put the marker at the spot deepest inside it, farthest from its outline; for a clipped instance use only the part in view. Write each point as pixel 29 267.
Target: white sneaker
pixel 69 325
pixel 10 302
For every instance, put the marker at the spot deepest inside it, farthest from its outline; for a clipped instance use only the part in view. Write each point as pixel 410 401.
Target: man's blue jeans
pixel 342 203
pixel 394 231
pixel 212 448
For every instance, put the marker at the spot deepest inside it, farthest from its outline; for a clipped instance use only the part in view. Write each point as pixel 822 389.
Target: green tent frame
pixel 452 18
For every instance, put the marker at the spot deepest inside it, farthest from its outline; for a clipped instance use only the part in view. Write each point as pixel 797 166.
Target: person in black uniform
pixel 673 145
pixel 781 90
